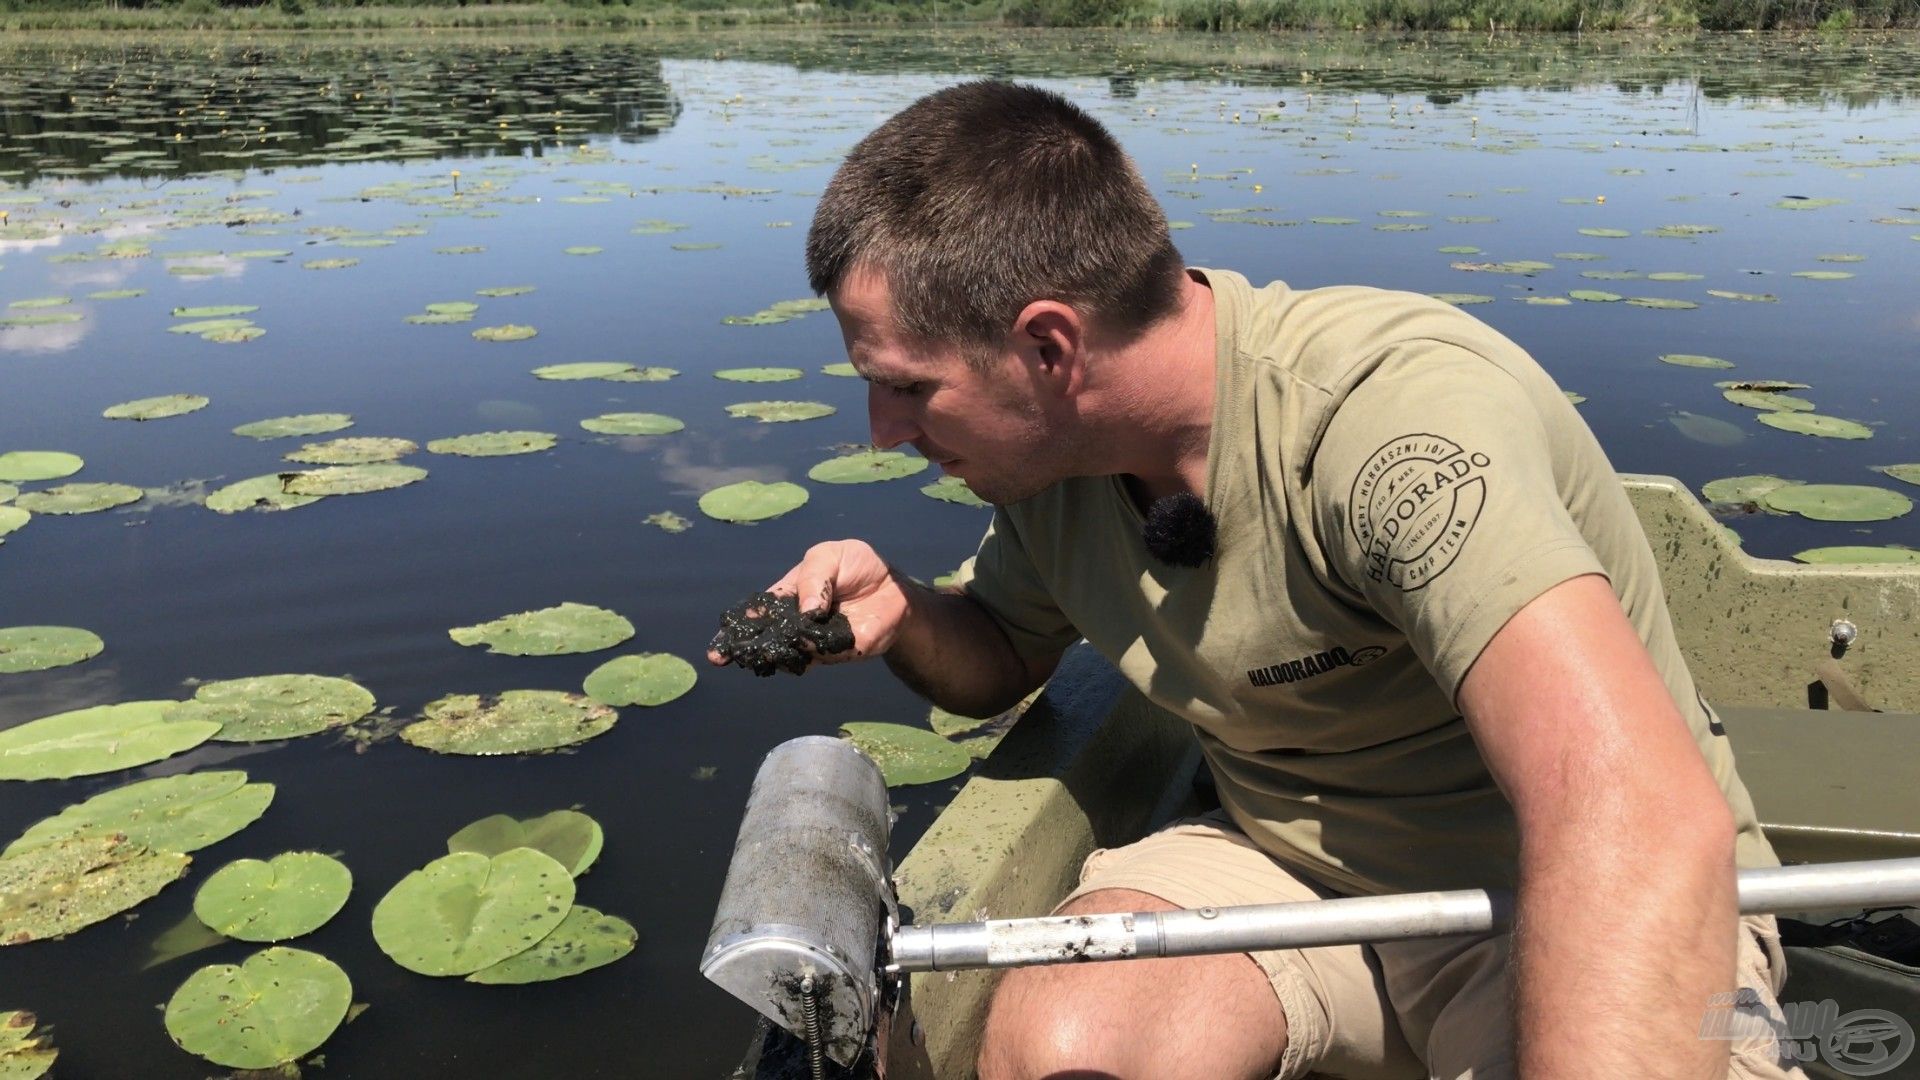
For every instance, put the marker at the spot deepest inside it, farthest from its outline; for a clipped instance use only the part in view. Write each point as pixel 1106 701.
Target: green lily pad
pixel 268 707
pixel 645 679
pixel 668 521
pixel 1674 275
pixel 1906 474
pixel 11 519
pixel 908 755
pixel 494 444
pixel 265 493
pixel 353 450
pixel 1547 301
pixel 1672 232
pixel 54 889
pixel 37 648
pixel 183 812
pixel 116 294
pixel 759 374
pixel 642 374
pixel 1459 249
pixel 1751 298
pixel 1694 360
pixel 780 412
pixel 1742 489
pixel 295 893
pixel 632 423
pixel 554 631
pixel 1661 303
pixel 79 498
pixel 23 1055
pixel 1822 275
pixel 24 466
pixel 584 940
pixel 324 264
pixel 350 479
pixel 466 911
pixel 587 369
pixel 50 318
pixel 281 427
pixel 1766 399
pixel 42 302
pixel 214 311
pixel 1595 296
pixel 1709 430
pixel 750 500
pixel 585 249
pixel 1842 257
pixel 1803 423
pixel 516 722
pixel 1606 234
pixel 1577 399
pixel 509 332
pixel 504 290
pixel 866 467
pixel 7 492
pixel 842 370
pixel 1855 554
pixel 1838 502
pixel 156 408
pixel 276 1007
pixel 572 838
pixel 100 739
pixel 1805 202
pixel 1462 299
pixel 954 490
pixel 460 249
pixel 228 335
pixel 1524 267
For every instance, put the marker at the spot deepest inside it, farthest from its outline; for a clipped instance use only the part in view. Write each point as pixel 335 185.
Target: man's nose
pixel 890 417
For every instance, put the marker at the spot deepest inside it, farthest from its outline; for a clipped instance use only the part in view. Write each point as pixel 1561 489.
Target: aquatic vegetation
pixel 156 408
pixel 759 374
pixel 38 648
pixel 780 412
pixel 274 1008
pixel 281 427
pixel 353 450
pixel 103 738
pixel 954 490
pixel 494 444
pixel 53 889
pixel 294 893
pixel 867 466
pixel 588 369
pixel 348 479
pixel 586 939
pixel 632 424
pixel 572 838
pixel 25 466
pixel 515 722
pixel 1742 489
pixel 1694 360
pixel 645 679
pixel 1838 502
pixel 750 501
pixel 183 812
pixel 466 911
pixel 277 706
pixel 908 755
pixel 266 493
pixel 1855 554
pixel 24 1055
pixel 555 631
pixel 508 332
pixel 1824 427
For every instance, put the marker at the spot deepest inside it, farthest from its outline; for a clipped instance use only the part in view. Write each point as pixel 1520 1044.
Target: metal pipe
pixel 1064 939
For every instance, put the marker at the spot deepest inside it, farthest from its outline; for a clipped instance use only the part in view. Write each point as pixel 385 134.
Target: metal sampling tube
pixel 1066 939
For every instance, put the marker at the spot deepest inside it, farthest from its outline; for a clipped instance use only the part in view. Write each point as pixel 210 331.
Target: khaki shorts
pixel 1395 1010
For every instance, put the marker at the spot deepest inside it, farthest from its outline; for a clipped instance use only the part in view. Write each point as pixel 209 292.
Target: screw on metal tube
pixel 816 1034
pixel 1843 633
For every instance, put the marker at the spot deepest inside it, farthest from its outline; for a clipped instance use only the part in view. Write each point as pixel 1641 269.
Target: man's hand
pixel 850 577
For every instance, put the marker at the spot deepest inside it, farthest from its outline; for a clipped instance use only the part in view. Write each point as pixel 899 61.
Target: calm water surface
pixel 216 147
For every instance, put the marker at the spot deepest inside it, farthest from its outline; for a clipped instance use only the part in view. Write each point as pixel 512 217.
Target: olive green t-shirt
pixel 1392 480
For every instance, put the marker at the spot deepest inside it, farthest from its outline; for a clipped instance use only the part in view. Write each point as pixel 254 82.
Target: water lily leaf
pixel 1838 502
pixel 276 1007
pixel 1707 429
pixel 1577 399
pixel 509 332
pixel 23 1056
pixel 1804 423
pixel 908 755
pixel 1606 234
pixel 842 370
pixel 1822 275
pixel 585 249
pixel 184 938
pixel 1741 489
pixel 460 249
pixel 1805 202
pixel 353 450
pixel 1675 275
pixel 494 443
pixel 1682 231
pixel 277 706
pixel 228 335
pixel 1764 399
pixel 584 940
pixel 504 290
pixel 116 294
pixel 751 500
pixel 780 412
pixel 1661 303
pixel 1858 554
pixel 1595 296
pixel 656 227
pixel 644 679
pixel 281 427
pixel 37 648
pixel 1462 299
pixel 1752 298
pixel 1525 267
pixel 79 498
pixel 321 264
pixel 954 490
pixel 1768 386
pixel 215 311
pixel 349 479
pixel 554 631
pixel 100 739
pixel 466 911
pixel 183 812
pixel 42 302
pixel 1547 301
pixel 24 466
pixel 51 318
pixel 572 838
pixel 295 893
pixel 12 518
pixel 156 408
pixel 632 423
pixel 1842 258
pixel 589 369
pixel 759 374
pixel 642 374
pixel 516 722
pixel 265 493
pixel 1694 360
pixel 866 467
pixel 1909 474
pixel 54 889
pixel 669 521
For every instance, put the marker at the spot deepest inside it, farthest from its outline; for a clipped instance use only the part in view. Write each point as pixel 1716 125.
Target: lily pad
pixel 37 648
pixel 554 631
pixel 1742 489
pixel 643 374
pixel 156 408
pixel 23 466
pixel 1751 298
pixel 466 911
pixel 183 812
pixel 632 423
pixel 281 427
pixel 509 332
pixel 1822 275
pixel 751 500
pixel 1838 502
pixel 1462 299
pixel 54 889
pixel 11 519
pixel 1709 430
pixel 257 493
pixel 587 369
pixel 504 290
pixel 79 498
pixel 325 264
pixel 1595 296
pixel 759 374
pixel 268 707
pixel 843 370
pixel 954 490
pixel 646 679
pixel 494 444
pixel 1766 399
pixel 908 755
pixel 353 450
pixel 572 838
pixel 1606 234
pixel 584 940
pixel 1906 474
pixel 1694 360
pixel 350 479
pixel 7 492
pixel 23 1055
pixel 100 739
pixel 293 894
pixel 276 1007
pixel 214 311
pixel 516 722
pixel 1661 303
pixel 866 467
pixel 585 249
pixel 1854 554
pixel 779 412
pixel 1674 275
pixel 1803 423
pixel 669 521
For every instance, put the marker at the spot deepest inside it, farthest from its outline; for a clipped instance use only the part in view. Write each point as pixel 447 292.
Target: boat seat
pixel 1829 786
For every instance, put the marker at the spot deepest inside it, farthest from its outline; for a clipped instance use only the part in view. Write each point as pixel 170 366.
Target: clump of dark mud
pixel 766 633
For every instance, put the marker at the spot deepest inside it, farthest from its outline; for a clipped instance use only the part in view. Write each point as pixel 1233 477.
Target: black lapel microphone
pixel 1180 530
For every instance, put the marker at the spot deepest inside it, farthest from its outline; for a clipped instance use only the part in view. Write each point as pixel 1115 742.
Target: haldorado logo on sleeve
pixel 1413 505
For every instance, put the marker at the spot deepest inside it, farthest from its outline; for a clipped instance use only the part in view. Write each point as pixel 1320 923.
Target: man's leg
pixel 1204 1017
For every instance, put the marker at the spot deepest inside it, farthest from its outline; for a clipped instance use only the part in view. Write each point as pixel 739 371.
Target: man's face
pixel 981 425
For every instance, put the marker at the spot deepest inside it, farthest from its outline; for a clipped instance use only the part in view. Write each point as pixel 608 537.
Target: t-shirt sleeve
pixel 1434 497
pixel 1002 578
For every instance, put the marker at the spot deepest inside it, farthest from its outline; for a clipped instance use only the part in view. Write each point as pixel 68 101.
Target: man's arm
pixel 1626 920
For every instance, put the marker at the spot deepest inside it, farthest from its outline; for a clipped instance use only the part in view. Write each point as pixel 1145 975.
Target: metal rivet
pixel 1209 913
pixel 1844 632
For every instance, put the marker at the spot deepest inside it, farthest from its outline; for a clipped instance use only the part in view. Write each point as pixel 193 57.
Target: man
pixel 1362 543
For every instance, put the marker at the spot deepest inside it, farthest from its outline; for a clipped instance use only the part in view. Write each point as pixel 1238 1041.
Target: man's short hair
pixel 984 197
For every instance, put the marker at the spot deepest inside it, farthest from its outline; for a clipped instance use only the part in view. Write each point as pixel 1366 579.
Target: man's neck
pixel 1155 411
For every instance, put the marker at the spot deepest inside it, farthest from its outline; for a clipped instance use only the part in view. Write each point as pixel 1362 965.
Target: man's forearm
pixel 951 652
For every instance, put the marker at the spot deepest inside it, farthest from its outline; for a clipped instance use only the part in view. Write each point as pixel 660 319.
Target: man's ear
pixel 1051 340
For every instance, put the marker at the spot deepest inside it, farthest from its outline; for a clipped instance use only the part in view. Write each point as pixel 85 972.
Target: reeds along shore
pixel 1208 15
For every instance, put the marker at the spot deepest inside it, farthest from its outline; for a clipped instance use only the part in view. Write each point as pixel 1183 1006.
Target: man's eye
pixel 906 389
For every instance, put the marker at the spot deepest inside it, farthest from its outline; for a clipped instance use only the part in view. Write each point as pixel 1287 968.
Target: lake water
pixel 1786 154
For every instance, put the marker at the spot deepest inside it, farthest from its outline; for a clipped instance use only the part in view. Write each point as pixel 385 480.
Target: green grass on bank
pixel 1208 15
